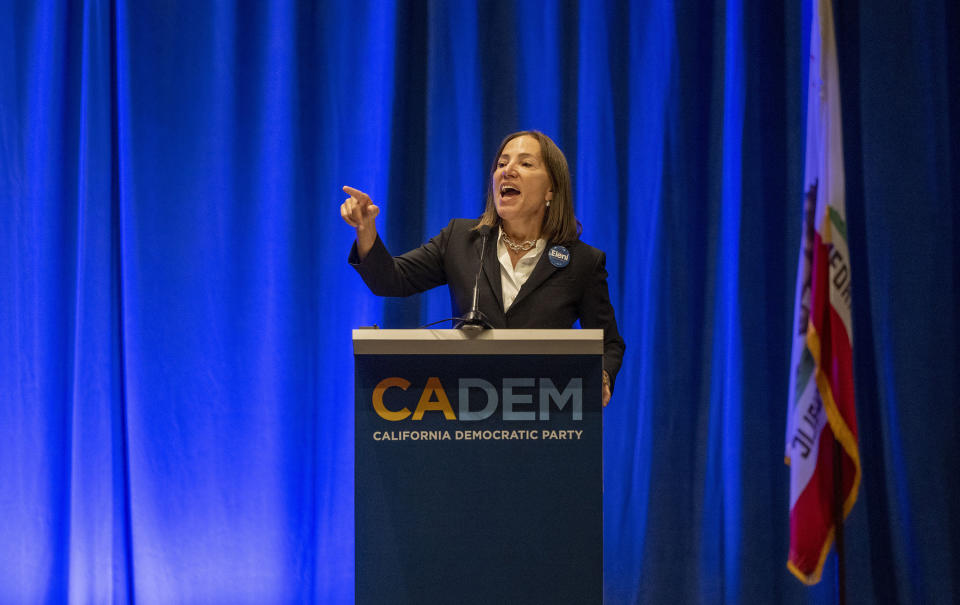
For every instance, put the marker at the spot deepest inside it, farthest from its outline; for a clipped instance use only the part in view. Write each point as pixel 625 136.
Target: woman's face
pixel 521 184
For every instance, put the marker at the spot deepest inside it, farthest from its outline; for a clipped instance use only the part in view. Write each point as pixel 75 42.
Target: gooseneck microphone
pixel 475 319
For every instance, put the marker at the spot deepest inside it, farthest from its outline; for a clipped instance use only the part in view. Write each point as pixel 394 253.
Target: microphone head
pixel 483 230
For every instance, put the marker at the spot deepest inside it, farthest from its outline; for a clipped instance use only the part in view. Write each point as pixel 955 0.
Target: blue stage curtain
pixel 175 303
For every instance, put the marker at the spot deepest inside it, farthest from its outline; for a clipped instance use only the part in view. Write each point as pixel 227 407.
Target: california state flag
pixel 821 405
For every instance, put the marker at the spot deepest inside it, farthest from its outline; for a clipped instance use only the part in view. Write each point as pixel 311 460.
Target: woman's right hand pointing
pixel 360 212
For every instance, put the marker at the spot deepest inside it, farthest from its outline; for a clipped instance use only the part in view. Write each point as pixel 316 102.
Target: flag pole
pixel 838 521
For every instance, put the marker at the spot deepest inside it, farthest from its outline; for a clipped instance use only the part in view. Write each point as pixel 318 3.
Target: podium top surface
pixel 486 342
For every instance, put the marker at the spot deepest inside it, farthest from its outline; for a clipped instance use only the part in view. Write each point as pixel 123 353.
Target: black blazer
pixel 551 297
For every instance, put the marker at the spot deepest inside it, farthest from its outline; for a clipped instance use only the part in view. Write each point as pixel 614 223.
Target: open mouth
pixel 508 192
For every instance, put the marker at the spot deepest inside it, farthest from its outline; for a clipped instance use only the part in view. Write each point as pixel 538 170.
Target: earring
pixel 548 203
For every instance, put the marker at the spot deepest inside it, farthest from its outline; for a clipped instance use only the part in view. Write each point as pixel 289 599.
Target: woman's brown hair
pixel 560 224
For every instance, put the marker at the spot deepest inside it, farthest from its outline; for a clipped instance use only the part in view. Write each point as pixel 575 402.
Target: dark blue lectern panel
pixel 478 479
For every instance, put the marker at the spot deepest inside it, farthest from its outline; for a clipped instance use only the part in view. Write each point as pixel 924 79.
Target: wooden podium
pixel 478 466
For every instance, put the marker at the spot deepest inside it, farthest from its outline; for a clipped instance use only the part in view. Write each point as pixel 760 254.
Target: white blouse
pixel 512 278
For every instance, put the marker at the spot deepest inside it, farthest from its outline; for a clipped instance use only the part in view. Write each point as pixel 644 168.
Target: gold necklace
pixel 527 245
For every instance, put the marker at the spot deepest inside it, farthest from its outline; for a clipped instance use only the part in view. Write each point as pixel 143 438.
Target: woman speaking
pixel 536 272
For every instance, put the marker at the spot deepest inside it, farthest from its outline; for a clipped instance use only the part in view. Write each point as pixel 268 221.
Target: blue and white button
pixel 559 256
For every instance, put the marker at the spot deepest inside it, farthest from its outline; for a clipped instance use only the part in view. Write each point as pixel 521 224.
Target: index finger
pixel 356 193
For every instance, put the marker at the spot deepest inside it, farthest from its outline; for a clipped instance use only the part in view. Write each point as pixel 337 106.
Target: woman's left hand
pixel 605 396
